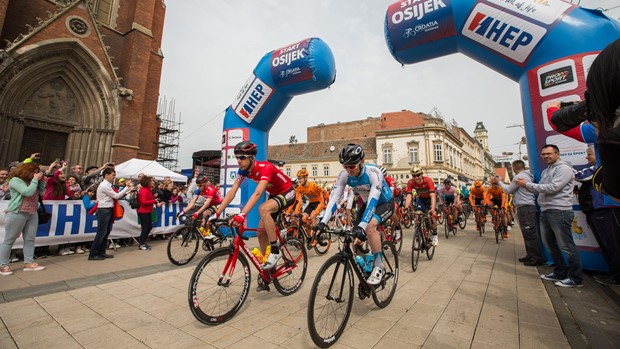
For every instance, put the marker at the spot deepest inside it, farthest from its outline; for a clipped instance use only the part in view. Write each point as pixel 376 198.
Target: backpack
pixel 133 201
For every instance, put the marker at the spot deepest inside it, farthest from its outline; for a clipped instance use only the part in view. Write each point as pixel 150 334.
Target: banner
pixel 71 223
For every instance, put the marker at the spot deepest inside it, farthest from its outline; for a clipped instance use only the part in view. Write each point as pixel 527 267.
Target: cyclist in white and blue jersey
pixel 377 202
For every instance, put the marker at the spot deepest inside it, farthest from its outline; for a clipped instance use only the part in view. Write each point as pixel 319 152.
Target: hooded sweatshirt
pixel 555 187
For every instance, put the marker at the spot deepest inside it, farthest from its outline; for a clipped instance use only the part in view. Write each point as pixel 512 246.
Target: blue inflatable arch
pixel 547 46
pixel 281 74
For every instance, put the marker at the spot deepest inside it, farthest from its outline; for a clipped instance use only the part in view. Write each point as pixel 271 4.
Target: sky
pixel 211 47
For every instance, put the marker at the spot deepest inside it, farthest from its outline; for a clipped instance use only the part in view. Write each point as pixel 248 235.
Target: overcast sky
pixel 211 47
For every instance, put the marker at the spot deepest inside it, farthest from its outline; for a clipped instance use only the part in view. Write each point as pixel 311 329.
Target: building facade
pixel 79 79
pixel 397 141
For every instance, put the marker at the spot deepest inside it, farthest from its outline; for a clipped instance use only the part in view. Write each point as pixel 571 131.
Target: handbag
pixel 117 210
pixel 44 216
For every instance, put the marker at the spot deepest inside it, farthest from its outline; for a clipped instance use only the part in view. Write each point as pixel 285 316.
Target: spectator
pixel 105 203
pixel 56 188
pixel 602 221
pixel 4 173
pixel 555 191
pixel 176 196
pixel 525 202
pixel 74 191
pixel 21 216
pixel 158 189
pixel 77 171
pixel 167 192
pixel 93 175
pixel 89 200
pixel 146 200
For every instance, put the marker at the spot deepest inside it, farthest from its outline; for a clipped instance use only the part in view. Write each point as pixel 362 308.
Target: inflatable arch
pixel 299 68
pixel 547 46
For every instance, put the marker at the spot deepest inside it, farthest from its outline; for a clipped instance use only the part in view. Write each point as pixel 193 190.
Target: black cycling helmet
pixel 351 154
pixel 246 148
pixel 447 181
pixel 201 179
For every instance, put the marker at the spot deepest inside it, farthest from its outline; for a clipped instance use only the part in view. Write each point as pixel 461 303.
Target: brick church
pixel 79 79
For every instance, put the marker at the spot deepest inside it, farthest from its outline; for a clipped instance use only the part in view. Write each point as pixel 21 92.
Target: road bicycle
pixel 221 281
pixel 183 244
pixel 392 233
pixel 496 219
pixel 331 296
pixel 422 240
pixel 406 219
pixel 441 211
pixel 451 217
pixel 480 217
pixel 296 228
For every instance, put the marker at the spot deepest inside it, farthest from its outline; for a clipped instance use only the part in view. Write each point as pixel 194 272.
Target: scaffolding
pixel 169 134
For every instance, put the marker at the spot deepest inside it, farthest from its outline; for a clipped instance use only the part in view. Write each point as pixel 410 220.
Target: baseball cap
pixel 122 180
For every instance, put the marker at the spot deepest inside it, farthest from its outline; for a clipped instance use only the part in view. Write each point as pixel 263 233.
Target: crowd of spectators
pixel 61 182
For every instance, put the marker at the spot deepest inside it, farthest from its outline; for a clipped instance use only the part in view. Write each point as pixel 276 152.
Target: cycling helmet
pixel 416 171
pixel 351 154
pixel 246 148
pixel 447 181
pixel 477 184
pixel 302 173
pixel 463 187
pixel 201 179
pixel 383 170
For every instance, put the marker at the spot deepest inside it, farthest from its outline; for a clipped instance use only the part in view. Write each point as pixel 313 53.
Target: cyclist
pixel 348 197
pixel 271 180
pixel 496 196
pixel 448 195
pixel 198 198
pixel 315 195
pixel 426 197
pixel 377 203
pixel 477 197
pixel 207 191
pixel 391 182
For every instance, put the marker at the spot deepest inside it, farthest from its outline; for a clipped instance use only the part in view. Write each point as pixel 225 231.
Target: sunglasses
pixel 242 157
pixel 416 176
pixel 349 167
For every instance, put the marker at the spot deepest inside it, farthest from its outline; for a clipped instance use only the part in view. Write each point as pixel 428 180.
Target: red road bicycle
pixel 221 281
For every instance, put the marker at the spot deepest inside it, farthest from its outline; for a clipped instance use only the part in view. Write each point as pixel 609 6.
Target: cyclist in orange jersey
pixel 315 195
pixel 496 196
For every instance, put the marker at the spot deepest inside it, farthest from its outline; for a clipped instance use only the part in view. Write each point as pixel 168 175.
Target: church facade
pixel 79 79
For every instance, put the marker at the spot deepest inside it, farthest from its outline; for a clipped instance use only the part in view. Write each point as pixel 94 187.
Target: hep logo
pixel 253 100
pixel 499 32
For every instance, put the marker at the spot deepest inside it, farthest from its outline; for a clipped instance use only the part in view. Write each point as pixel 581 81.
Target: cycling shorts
pixel 311 207
pixel 383 212
pixel 423 204
pixel 496 202
pixel 284 201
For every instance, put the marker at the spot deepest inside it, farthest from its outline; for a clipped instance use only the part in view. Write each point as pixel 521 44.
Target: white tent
pixel 133 167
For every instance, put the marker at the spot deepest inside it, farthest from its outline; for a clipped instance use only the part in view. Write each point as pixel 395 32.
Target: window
pixel 438 152
pixel 288 171
pixel 413 154
pixel 315 170
pixel 105 11
pixel 325 170
pixel 387 155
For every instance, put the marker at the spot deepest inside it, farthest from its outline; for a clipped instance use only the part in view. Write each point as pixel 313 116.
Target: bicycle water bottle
pixel 370 259
pixel 204 232
pixel 360 261
pixel 259 256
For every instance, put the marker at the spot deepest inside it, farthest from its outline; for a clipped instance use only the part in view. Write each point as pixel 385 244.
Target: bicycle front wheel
pixel 440 219
pixel 295 261
pixel 446 228
pixel 215 298
pixel 430 251
pixel 463 221
pixel 383 293
pixel 324 241
pixel 397 235
pixel 330 302
pixel 416 247
pixel 182 246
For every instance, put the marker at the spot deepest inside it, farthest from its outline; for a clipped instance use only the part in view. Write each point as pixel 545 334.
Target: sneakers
pixel 568 282
pixel 609 281
pixel 13 259
pixel 397 235
pixel 65 252
pixel 376 276
pixel 272 260
pixel 33 267
pixel 114 245
pixel 524 259
pixel 145 247
pixel 6 271
pixel 508 228
pixel 551 277
pixel 79 250
pixel 435 240
pixel 506 235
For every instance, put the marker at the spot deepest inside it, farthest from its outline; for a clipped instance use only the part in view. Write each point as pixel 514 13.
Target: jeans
pixel 16 223
pixel 528 221
pixel 104 227
pixel 556 232
pixel 146 225
pixel 605 225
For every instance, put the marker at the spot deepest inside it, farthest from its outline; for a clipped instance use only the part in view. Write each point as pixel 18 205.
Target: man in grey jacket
pixel 555 191
pixel 525 202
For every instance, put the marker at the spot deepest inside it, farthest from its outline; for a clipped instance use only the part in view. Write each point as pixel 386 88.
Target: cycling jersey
pixel 477 196
pixel 465 194
pixel 423 189
pixel 312 191
pixel 210 192
pixel 496 194
pixel 279 183
pixel 447 194
pixel 371 188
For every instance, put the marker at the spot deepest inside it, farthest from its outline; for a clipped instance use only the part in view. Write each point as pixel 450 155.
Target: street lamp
pixel 522 138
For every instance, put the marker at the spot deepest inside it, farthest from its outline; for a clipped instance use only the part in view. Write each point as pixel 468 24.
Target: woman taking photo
pixel 146 200
pixel 21 217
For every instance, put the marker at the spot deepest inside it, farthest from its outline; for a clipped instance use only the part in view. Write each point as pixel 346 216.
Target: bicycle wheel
pixel 182 246
pixel 463 222
pixel 430 249
pixel 407 220
pixel 416 247
pixel 213 298
pixel 481 229
pixel 397 234
pixel 293 254
pixel 446 228
pixel 324 238
pixel 383 293
pixel 330 301
pixel 440 218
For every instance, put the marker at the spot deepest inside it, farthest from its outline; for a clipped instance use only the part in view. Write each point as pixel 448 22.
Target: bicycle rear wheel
pixel 383 293
pixel 330 301
pixel 294 256
pixel 182 246
pixel 324 238
pixel 430 250
pixel 407 220
pixel 416 247
pixel 463 222
pixel 215 298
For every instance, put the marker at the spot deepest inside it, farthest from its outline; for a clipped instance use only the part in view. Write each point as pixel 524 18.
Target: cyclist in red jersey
pixel 271 180
pixel 391 182
pixel 211 195
pixel 427 199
